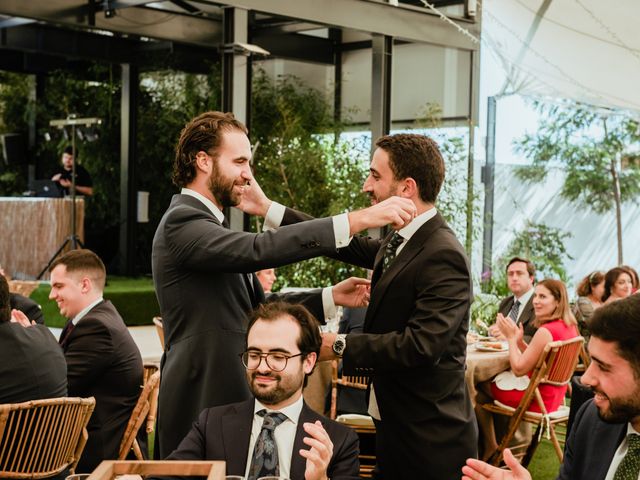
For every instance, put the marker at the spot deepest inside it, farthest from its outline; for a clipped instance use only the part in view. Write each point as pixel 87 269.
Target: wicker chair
pixel 42 438
pixel 157 321
pixel 555 366
pixel 145 410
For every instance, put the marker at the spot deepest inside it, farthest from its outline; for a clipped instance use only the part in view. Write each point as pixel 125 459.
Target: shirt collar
pixel 86 310
pixel 408 231
pixel 291 411
pixel 525 296
pixel 207 203
pixel 631 430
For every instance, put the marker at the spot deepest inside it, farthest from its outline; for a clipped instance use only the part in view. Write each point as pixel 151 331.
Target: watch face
pixel 338 345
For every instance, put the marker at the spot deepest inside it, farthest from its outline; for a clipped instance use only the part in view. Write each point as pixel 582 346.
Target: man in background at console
pixel 84 185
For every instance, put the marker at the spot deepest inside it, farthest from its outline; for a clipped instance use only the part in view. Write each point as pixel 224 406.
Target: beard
pixel 222 188
pixel 282 390
pixel 621 410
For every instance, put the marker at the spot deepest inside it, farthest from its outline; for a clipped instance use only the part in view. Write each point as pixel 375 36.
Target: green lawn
pixel 544 464
pixel 134 298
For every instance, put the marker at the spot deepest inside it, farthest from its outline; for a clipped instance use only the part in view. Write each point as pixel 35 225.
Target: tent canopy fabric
pixel 584 50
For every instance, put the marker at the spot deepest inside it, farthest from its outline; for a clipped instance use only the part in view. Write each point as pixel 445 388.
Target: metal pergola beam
pixel 406 22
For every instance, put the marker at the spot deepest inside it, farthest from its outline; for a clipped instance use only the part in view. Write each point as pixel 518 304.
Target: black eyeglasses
pixel 276 361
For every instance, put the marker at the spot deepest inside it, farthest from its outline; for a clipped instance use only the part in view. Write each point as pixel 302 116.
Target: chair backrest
pixel 157 321
pixel 558 361
pixel 149 370
pixel 359 382
pixel 139 414
pixel 42 438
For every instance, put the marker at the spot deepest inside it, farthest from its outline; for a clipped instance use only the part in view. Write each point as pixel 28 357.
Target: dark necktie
pixel 391 250
pixel 66 331
pixel 265 453
pixel 629 468
pixel 513 313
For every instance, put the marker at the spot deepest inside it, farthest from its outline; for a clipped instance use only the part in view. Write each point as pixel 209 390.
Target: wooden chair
pixel 42 438
pixel 110 469
pixel 149 370
pixel 145 410
pixel 358 382
pixel 584 360
pixel 157 321
pixel 555 366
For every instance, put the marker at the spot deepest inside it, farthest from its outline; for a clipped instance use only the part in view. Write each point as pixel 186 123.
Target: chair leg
pixel 136 450
pixel 531 449
pixel 556 443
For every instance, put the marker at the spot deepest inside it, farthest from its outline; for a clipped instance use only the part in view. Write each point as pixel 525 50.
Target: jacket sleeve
pixel 345 464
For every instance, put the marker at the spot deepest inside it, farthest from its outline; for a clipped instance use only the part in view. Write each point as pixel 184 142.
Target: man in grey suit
pixel 605 440
pixel 203 271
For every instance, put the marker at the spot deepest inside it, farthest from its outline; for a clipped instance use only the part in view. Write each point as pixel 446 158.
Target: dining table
pixel 483 366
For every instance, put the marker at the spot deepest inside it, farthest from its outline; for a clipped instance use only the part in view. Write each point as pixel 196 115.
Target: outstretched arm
pixel 479 470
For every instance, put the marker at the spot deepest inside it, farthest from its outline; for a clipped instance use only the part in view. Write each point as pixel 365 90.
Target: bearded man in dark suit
pixel 414 340
pixel 283 342
pixel 203 276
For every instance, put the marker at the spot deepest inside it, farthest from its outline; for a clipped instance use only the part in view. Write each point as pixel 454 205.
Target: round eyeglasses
pixel 276 361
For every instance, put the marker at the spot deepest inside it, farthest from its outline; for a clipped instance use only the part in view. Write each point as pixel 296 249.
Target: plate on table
pixel 492 346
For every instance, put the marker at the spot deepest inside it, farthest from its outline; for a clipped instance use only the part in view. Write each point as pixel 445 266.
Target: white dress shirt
pixel 86 310
pixel 285 434
pixel 524 299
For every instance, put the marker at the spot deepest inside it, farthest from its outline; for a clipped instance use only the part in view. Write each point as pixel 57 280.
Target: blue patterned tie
pixel 265 453
pixel 391 250
pixel 629 468
pixel 513 313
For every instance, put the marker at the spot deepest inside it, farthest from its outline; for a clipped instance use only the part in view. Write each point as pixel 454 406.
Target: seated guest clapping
pixel 102 359
pixel 32 366
pixel 275 433
pixel 555 322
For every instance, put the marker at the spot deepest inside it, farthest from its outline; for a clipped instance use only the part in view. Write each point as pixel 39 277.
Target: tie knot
pixel 516 303
pixel 271 419
pixel 394 243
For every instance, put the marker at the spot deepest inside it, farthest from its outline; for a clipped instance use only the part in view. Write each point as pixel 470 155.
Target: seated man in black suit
pixel 283 341
pixel 521 275
pixel 32 366
pixel 605 440
pixel 102 359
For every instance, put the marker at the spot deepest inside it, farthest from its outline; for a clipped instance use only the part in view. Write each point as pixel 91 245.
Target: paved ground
pixel 145 337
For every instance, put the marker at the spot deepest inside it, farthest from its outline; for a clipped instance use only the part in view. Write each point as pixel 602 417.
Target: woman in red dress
pixel 555 322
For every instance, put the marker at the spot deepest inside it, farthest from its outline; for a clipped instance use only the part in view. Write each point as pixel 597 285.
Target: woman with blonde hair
pixel 555 322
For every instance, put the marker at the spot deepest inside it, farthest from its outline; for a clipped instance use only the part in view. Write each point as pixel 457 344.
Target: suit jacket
pixel 203 278
pixel 32 366
pixel 590 446
pixel 104 362
pixel 27 306
pixel 223 433
pixel 527 317
pixel 414 348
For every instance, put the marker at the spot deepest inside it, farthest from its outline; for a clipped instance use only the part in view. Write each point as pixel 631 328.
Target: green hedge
pixel 134 298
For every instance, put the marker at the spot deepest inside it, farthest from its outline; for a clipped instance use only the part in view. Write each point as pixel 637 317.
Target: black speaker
pixel 14 149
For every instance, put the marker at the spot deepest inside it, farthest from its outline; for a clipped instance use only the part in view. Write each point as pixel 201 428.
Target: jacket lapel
pixel 236 433
pixel 298 462
pixel 409 251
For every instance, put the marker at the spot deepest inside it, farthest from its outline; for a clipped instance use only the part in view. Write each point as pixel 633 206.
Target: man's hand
pixel 319 455
pixel 18 317
pixel 395 211
pixel 326 348
pixel 479 470
pixel 254 201
pixel 56 177
pixel 65 183
pixel 352 292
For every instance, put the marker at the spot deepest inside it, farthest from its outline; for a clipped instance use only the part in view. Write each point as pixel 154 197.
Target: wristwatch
pixel 339 344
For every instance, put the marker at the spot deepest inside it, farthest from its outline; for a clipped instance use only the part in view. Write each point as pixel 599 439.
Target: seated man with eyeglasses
pixel 275 433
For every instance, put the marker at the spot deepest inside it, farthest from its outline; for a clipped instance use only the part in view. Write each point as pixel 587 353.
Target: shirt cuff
pixel 341 230
pixel 328 305
pixel 274 217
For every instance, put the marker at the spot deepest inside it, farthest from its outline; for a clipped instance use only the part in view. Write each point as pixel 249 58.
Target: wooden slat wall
pixel 32 230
